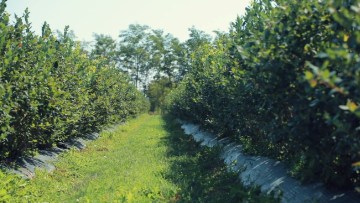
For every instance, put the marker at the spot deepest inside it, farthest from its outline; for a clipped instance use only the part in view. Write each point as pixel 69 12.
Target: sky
pixel 109 17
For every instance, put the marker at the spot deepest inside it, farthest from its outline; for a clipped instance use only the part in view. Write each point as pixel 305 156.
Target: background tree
pixel 182 59
pixel 157 92
pixel 134 54
pixel 163 57
pixel 197 39
pixel 105 48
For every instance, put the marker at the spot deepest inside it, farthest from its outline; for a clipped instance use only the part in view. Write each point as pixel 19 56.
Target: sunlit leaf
pixel 356 164
pixel 309 75
pixel 313 83
pixel 352 106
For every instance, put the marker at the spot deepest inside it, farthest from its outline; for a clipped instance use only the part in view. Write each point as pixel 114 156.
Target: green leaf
pixel 3 192
pixel 322 55
pixel 352 106
pixel 325 74
pixel 309 75
pixel 314 68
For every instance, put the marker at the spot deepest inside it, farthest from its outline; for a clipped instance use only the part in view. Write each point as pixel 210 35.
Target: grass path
pixel 147 160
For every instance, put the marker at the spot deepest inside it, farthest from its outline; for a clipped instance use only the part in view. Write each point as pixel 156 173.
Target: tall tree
pixel 134 52
pixel 168 55
pixel 182 62
pixel 197 39
pixel 162 55
pixel 105 48
pixel 157 48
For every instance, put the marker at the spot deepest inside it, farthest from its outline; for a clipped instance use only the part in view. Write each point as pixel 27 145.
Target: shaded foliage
pixel 201 175
pixel 157 92
pixel 285 83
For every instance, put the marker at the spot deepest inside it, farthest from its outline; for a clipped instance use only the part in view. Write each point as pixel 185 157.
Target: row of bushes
pixel 51 91
pixel 284 82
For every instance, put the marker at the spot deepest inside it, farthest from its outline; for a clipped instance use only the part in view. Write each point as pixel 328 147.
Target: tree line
pixel 154 60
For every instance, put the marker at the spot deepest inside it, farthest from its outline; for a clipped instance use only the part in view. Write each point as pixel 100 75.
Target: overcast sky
pixel 109 17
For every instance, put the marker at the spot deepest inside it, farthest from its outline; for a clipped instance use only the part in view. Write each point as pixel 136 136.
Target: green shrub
pixel 285 83
pixel 51 91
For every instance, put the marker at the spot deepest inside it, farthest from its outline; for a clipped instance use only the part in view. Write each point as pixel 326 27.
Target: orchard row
pixel 51 90
pixel 284 82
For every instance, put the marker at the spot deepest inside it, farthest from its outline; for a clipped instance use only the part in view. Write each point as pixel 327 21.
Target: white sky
pixel 109 17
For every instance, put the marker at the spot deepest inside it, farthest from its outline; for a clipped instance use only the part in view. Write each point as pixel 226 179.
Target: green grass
pixel 147 160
